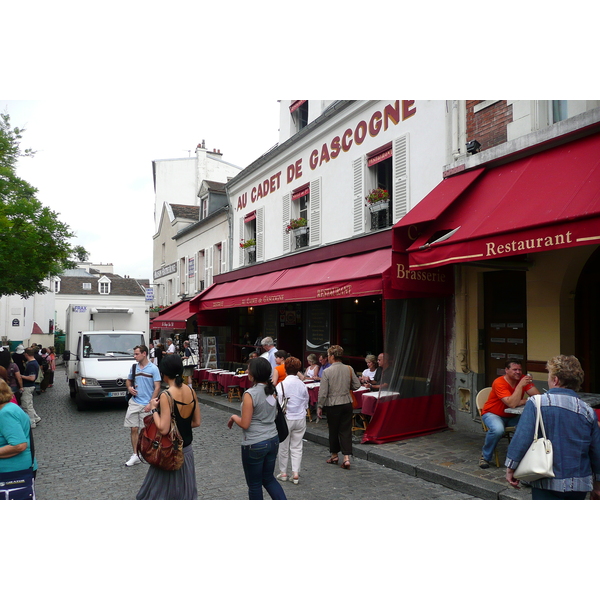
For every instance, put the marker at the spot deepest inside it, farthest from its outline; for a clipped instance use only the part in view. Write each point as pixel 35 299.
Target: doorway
pixel 587 322
pixel 505 320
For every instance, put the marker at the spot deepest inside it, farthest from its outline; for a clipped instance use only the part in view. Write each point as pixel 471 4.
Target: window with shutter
pixel 314 220
pixel 286 219
pixel 208 260
pixel 224 257
pixel 260 234
pixel 401 172
pixel 358 195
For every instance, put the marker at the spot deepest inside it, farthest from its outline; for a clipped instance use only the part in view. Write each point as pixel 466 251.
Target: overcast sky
pixel 102 90
pixel 94 160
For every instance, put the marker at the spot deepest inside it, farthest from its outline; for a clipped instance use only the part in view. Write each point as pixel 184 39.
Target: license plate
pixel 116 394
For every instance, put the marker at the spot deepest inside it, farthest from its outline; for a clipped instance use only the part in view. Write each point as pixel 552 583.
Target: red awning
pixel 296 104
pixel 547 201
pixel 344 277
pixel 174 317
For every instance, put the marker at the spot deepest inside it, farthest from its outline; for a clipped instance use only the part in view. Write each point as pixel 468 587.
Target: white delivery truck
pixel 99 351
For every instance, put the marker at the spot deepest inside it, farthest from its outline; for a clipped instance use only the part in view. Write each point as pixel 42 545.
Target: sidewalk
pixel 450 458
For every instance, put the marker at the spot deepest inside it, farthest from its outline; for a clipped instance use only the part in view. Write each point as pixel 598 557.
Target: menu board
pixel 270 316
pixel 318 326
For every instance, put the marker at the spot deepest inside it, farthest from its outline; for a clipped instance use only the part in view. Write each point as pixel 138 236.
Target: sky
pixel 93 162
pixel 102 91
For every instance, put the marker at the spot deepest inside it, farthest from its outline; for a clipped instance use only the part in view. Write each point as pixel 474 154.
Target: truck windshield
pixel 110 344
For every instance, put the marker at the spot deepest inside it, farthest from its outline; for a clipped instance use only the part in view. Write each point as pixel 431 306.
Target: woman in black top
pixel 174 485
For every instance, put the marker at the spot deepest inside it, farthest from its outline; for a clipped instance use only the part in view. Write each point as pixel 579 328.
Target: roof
pixel 120 286
pixel 185 211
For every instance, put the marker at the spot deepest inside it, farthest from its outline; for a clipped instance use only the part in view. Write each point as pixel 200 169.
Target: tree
pixel 34 243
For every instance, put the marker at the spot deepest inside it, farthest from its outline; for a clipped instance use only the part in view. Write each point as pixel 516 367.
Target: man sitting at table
pixel 508 391
pixel 383 374
pixel 324 362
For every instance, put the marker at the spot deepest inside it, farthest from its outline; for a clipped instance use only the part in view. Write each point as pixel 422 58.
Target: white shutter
pixel 286 219
pixel 224 257
pixel 358 193
pixel 208 267
pixel 260 234
pixel 401 189
pixel 242 234
pixel 314 217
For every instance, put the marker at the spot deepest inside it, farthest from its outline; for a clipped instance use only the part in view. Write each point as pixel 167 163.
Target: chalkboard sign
pixel 318 326
pixel 270 317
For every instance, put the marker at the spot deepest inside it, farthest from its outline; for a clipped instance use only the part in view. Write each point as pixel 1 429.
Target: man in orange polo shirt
pixel 508 391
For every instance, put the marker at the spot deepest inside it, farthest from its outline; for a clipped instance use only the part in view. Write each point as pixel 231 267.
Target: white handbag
pixel 537 462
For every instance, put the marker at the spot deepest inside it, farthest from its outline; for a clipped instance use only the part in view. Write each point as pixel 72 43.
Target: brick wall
pixel 488 125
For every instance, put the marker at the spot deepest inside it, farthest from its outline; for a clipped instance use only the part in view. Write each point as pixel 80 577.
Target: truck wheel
pixel 72 388
pixel 81 404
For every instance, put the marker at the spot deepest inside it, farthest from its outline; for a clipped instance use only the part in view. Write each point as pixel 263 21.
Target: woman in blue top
pixel 15 454
pixel 260 441
pixel 572 427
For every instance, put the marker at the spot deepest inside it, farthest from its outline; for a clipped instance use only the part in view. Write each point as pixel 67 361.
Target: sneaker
pixel 484 464
pixel 134 460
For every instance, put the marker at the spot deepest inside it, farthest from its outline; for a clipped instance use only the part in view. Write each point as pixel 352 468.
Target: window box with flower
pixel 378 199
pixel 248 244
pixel 298 226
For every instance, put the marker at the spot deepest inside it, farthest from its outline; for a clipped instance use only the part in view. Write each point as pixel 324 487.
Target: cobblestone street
pixel 81 456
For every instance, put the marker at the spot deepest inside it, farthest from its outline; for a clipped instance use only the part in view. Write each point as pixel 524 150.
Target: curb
pixel 426 470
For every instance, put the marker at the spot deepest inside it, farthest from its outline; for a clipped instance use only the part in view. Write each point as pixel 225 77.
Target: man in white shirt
pixel 171 347
pixel 269 348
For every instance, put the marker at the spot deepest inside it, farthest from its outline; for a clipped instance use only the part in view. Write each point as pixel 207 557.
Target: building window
pixel 104 286
pixel 87 286
pixel 300 212
pixel 559 110
pixel 249 238
pixel 200 271
pixel 57 285
pixel 299 110
pixel 204 207
pixel 163 253
pixel 380 173
pixel 217 259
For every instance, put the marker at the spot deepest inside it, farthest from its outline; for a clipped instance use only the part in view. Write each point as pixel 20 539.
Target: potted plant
pixel 298 226
pixel 378 199
pixel 248 244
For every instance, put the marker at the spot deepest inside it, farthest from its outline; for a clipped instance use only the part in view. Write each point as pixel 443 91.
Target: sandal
pixel 282 477
pixel 333 460
pixel 346 464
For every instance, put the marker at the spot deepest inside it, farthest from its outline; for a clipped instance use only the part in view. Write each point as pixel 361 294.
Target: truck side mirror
pixel 66 355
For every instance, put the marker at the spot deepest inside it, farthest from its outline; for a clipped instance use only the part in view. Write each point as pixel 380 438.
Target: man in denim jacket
pixel 572 427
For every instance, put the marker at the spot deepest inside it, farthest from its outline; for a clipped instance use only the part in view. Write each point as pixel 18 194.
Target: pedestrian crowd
pixel 157 391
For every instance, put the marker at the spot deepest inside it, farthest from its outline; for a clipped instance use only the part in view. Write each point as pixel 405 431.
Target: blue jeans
pixel 258 461
pixel 495 425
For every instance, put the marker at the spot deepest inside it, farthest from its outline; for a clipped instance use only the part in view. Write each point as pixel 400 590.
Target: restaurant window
pixel 299 112
pixel 380 177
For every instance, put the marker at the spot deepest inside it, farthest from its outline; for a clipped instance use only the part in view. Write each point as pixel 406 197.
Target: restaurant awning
pixel 547 201
pixel 344 277
pixel 174 317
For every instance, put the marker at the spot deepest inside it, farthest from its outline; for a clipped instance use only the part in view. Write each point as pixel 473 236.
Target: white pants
pixel 27 404
pixel 292 446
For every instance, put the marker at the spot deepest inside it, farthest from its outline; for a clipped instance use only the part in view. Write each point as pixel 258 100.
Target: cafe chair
pixel 359 421
pixel 480 400
pixel 204 385
pixel 233 392
pixel 212 388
